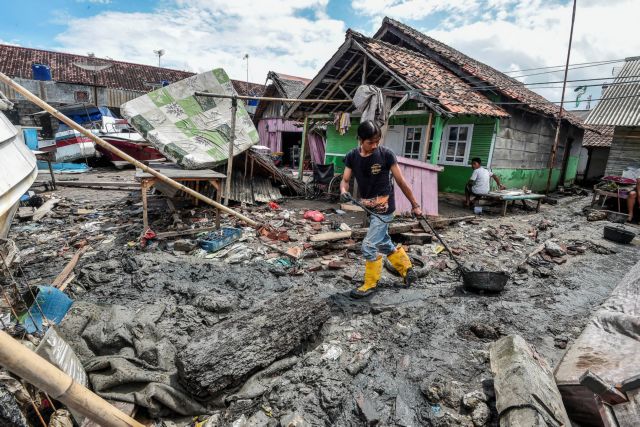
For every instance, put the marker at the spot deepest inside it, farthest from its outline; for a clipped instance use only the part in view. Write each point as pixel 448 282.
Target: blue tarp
pixel 64 167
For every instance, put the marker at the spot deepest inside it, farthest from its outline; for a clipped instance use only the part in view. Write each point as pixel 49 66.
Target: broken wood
pixel 170 234
pixel 228 353
pixel 124 156
pixel 34 369
pixel 401 227
pixel 67 282
pixel 112 185
pixel 330 236
pixel 607 392
pixel 526 392
pixel 43 210
pixel 416 238
pixel 443 222
pixel 68 269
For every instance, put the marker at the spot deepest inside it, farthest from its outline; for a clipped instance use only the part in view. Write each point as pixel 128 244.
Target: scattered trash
pixel 50 306
pixel 216 240
pixel 316 216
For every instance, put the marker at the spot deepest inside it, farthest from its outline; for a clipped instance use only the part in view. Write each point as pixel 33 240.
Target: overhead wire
pixel 562 66
pixel 570 68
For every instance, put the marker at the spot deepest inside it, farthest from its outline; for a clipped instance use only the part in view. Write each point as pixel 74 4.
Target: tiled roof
pixel 621 103
pixel 16 61
pixel 435 81
pixel 291 86
pixel 593 139
pixel 499 82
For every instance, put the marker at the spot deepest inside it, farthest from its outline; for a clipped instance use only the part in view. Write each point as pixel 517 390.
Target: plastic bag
pixel 316 216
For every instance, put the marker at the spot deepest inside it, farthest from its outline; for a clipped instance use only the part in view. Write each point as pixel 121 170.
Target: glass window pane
pixel 409 133
pixel 451 149
pixel 453 133
pixel 418 134
pixel 460 149
pixel 462 135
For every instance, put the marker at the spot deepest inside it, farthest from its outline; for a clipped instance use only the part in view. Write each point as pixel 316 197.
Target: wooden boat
pixel 18 170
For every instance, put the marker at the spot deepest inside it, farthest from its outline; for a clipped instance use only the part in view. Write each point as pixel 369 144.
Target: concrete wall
pixel 524 141
pixel 625 150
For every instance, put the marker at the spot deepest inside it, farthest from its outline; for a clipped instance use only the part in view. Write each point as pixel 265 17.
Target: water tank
pixel 41 72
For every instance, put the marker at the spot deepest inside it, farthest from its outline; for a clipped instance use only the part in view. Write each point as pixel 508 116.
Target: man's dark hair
pixel 368 130
pixel 477 160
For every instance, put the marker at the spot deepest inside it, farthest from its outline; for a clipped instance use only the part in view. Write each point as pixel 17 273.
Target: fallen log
pixel 43 210
pixel 68 269
pixel 526 392
pixel 228 353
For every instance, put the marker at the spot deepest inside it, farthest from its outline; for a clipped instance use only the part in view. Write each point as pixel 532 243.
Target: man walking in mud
pixel 374 168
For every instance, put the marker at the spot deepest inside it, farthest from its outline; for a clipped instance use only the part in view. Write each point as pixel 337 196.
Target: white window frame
pixel 445 142
pixel 420 143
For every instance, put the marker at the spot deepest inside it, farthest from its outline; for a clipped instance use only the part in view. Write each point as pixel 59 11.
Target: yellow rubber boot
pixel 372 273
pixel 401 262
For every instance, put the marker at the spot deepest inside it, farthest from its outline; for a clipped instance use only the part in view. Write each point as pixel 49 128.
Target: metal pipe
pixel 34 369
pixel 55 113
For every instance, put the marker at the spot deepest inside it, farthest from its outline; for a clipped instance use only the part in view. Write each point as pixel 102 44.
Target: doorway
pixel 291 148
pixel 565 162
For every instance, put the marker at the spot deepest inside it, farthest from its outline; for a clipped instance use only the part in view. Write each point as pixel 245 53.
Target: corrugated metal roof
pixel 621 103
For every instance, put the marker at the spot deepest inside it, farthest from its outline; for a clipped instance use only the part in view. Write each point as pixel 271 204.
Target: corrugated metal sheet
pixel 623 107
pixel 11 94
pixel 625 150
pixel 117 97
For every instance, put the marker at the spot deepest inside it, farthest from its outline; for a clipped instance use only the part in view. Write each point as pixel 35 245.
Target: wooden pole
pixel 304 141
pixel 232 138
pixel 34 369
pixel 268 98
pixel 427 137
pixel 101 142
pixel 554 148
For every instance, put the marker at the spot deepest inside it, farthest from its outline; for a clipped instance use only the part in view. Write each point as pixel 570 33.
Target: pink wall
pixel 423 181
pixel 270 132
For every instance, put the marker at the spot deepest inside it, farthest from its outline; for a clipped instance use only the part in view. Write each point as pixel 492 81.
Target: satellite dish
pixel 92 67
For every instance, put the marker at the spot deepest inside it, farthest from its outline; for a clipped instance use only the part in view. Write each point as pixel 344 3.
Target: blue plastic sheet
pixel 50 302
pixel 64 167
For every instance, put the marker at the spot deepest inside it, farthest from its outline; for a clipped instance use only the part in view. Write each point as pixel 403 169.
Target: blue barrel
pixel 41 72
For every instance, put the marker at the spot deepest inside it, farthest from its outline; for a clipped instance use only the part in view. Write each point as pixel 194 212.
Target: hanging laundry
pixel 369 100
pixel 342 121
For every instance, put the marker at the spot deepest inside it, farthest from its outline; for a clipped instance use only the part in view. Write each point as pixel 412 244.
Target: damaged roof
pixel 16 62
pixel 620 105
pixel 288 86
pixel 593 139
pixel 437 87
pixel 487 76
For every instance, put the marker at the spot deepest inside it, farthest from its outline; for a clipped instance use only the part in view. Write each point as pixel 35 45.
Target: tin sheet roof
pixel 620 105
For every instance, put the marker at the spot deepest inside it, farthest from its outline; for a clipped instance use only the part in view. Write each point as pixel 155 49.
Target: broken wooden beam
pixel 443 222
pixel 360 233
pixel 526 392
pixel 331 236
pixel 43 210
pixel 170 234
pixel 68 269
pixel 226 354
pixel 607 392
pixel 416 238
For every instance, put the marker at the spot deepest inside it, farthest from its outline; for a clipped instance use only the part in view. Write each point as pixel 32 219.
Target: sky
pixel 298 37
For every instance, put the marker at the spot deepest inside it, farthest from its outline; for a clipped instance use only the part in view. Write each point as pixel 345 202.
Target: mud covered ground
pixel 402 357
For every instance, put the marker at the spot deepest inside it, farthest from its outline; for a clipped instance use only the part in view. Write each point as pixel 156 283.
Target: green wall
pixel 572 169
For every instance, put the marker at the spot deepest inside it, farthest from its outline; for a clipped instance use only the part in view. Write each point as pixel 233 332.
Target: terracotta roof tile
pixel 504 84
pixel 431 78
pixel 596 140
pixel 16 61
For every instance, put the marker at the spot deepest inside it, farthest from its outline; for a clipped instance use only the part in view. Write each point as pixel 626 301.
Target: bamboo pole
pixel 43 375
pixel 101 142
pixel 268 98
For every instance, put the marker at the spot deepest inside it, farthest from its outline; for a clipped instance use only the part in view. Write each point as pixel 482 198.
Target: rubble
pixel 295 348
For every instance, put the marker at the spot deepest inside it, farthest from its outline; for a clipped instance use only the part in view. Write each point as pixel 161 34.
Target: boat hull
pixel 18 171
pixel 72 145
pixel 137 150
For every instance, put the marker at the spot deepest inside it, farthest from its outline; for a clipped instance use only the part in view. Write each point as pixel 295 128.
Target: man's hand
pixel 345 197
pixel 416 211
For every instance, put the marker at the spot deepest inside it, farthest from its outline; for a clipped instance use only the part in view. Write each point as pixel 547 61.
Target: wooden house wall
pixel 625 150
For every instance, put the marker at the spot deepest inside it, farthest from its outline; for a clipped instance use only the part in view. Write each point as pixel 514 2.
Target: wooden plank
pixel 68 269
pixel 43 210
pixel 526 392
pixel 402 227
pixel 170 234
pixel 606 391
pixel 330 236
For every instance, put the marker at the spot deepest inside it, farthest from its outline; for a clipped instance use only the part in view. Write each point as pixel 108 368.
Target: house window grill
pixel 456 145
pixel 81 96
pixel 412 141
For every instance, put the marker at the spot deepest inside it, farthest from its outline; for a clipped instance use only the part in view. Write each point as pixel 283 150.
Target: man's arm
pixel 497 180
pixel 397 175
pixel 344 184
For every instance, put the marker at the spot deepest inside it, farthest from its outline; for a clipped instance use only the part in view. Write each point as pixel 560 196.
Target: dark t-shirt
pixel 373 175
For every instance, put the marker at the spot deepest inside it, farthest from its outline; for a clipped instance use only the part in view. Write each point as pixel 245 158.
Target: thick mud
pixel 406 356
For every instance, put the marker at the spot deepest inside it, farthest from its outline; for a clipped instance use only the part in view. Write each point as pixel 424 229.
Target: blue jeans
pixel 377 239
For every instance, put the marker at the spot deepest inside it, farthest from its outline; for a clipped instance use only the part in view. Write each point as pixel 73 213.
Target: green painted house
pixel 448 109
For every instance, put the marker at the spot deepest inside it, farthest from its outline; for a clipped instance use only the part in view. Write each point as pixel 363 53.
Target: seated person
pixel 631 199
pixel 479 184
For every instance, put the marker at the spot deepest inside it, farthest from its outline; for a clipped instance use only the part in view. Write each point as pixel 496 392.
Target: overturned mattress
pixel 192 131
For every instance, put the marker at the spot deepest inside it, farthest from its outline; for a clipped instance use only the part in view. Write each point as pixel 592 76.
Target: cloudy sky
pixel 298 37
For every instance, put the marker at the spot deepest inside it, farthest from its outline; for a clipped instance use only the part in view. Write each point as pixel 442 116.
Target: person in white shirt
pixel 480 182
